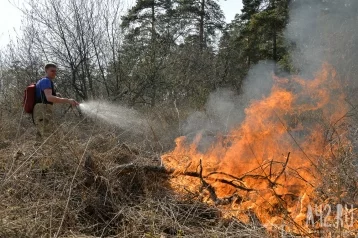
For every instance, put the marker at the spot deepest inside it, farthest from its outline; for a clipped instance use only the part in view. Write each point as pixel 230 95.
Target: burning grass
pixel 280 159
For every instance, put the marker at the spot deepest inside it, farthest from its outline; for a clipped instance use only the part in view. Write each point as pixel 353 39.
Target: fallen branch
pixel 129 168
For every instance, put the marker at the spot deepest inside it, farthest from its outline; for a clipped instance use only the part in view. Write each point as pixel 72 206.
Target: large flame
pixel 269 164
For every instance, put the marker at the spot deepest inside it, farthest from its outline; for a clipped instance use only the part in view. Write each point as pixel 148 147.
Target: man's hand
pixel 73 102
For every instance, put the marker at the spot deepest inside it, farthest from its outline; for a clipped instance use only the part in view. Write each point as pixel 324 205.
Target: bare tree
pixel 81 36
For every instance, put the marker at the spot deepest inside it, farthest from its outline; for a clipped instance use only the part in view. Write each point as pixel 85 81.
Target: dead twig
pixel 205 185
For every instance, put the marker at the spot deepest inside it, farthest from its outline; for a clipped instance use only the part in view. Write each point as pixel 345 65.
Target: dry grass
pixel 70 186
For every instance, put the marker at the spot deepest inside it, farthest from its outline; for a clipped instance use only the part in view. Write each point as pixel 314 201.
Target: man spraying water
pixel 45 98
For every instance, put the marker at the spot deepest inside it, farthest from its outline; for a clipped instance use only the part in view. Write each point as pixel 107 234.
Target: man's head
pixel 51 70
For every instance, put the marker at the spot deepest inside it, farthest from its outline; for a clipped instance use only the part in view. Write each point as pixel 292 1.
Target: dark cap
pixel 50 65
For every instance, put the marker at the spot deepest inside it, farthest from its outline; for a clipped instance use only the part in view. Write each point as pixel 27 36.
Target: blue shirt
pixel 41 85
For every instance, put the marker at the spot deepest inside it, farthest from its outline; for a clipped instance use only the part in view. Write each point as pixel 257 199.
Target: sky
pixel 10 17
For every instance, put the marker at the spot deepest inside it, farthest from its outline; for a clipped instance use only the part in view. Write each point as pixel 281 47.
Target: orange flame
pixel 270 163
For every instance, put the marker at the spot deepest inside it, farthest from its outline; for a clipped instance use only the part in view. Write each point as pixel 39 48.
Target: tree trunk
pixel 274 36
pixel 153 23
pixel 153 56
pixel 201 24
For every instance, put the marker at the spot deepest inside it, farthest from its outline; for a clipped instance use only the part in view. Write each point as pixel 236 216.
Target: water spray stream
pixel 116 115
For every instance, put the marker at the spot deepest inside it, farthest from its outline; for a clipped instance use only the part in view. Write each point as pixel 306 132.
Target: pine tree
pixel 147 41
pixel 201 18
pixel 149 18
pixel 261 25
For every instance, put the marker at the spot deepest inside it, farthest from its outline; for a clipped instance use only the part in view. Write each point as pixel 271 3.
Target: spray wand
pixel 78 110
